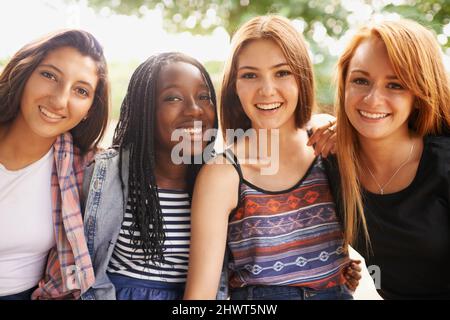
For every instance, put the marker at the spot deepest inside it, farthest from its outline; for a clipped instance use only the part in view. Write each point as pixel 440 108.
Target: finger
pixel 329 145
pixel 352 289
pixel 356 268
pixel 333 149
pixel 317 133
pixel 351 284
pixel 355 275
pixel 322 142
pixel 355 265
pixel 354 271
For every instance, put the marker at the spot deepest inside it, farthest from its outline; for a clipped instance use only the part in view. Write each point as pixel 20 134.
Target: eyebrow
pixel 51 66
pixel 273 67
pixel 391 77
pixel 178 86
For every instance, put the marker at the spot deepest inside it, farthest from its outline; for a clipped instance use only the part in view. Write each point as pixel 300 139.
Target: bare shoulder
pixel 219 169
pixel 214 188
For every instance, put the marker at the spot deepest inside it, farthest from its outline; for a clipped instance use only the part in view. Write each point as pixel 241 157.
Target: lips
pixel 193 129
pixel 373 115
pixel 196 130
pixel 268 106
pixel 50 115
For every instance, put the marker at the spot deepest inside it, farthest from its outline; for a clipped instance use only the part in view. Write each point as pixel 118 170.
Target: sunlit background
pixel 131 31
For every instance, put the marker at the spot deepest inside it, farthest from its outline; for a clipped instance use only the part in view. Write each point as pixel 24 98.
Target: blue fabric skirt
pixel 128 288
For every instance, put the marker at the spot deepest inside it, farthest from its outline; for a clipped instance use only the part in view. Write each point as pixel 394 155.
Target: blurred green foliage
pixel 119 75
pixel 3 63
pixel 202 17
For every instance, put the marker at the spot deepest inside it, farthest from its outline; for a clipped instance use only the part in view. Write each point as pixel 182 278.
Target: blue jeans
pixel 128 288
pixel 24 295
pixel 290 293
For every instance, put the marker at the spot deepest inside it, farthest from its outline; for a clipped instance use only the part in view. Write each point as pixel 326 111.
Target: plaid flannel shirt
pixel 69 270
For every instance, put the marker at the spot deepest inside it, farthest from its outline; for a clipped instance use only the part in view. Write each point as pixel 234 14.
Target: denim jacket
pixel 104 209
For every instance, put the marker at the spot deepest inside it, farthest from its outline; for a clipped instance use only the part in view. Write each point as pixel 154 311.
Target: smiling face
pixel 58 94
pixel 266 86
pixel 376 102
pixel 183 99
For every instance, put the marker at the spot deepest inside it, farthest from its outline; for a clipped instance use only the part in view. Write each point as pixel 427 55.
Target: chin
pixel 46 134
pixel 372 135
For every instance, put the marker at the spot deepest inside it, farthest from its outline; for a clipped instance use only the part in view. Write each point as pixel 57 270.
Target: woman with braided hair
pixel 137 217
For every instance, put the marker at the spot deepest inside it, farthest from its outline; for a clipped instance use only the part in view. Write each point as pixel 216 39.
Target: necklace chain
pixel 381 187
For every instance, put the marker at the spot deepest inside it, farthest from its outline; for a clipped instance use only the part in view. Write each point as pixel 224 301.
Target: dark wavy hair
pixel 88 133
pixel 136 132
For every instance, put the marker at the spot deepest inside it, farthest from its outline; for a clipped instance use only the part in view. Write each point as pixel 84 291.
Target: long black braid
pixel 135 131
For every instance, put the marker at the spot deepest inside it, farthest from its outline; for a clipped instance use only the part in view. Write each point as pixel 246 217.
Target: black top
pixel 410 229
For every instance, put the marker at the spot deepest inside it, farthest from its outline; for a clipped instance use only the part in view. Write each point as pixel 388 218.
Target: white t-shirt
pixel 26 224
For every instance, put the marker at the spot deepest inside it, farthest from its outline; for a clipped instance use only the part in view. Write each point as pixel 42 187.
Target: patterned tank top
pixel 291 237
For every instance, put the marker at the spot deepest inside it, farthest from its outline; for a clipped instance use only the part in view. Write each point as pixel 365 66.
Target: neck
pixel 279 140
pixel 20 148
pixel 169 175
pixel 386 154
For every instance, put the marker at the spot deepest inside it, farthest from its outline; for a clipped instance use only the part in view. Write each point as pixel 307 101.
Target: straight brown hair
pixel 88 133
pixel 281 31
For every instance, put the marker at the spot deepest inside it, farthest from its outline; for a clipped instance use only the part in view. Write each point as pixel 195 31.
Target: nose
pixel 193 108
pixel 374 96
pixel 267 87
pixel 60 97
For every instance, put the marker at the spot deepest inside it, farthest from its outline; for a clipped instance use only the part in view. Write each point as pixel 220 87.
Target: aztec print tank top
pixel 291 237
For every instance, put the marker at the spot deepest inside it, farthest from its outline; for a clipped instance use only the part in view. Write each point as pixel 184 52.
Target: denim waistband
pixel 24 295
pixel 339 292
pixel 124 281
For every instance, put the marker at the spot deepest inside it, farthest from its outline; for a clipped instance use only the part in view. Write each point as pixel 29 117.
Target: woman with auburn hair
pixel 393 98
pixel 280 227
pixel 54 101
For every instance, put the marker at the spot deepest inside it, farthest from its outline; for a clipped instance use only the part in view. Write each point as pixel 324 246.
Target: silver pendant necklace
pixel 382 187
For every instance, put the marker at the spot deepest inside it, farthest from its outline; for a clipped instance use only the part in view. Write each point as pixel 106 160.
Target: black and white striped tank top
pixel 128 260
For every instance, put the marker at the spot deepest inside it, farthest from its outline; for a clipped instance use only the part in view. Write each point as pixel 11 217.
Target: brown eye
pixel 48 75
pixel 172 99
pixel 82 92
pixel 205 97
pixel 248 75
pixel 360 81
pixel 395 86
pixel 283 73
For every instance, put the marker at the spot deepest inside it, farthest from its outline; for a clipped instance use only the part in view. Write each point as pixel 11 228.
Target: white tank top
pixel 26 224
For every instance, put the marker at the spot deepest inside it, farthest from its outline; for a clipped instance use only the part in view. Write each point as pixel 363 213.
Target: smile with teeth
pixel 195 130
pixel 371 115
pixel 50 114
pixel 268 106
